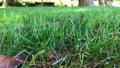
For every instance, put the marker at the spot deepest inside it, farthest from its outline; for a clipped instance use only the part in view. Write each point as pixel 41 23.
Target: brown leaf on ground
pixel 9 62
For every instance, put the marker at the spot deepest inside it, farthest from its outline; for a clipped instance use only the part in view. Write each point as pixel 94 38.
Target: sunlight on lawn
pixel 80 10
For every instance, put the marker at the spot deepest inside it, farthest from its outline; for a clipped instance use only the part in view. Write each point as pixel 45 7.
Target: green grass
pixel 61 37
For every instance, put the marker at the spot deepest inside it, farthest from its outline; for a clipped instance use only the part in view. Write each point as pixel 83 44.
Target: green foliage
pixel 20 1
pixel 75 37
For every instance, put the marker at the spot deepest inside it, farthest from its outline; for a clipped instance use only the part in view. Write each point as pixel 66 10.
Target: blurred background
pixel 68 3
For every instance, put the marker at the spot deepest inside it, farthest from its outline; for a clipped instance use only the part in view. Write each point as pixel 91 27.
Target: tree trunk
pixel 4 3
pixel 42 2
pixel 100 2
pixel 80 2
pixel 85 2
pixel 106 2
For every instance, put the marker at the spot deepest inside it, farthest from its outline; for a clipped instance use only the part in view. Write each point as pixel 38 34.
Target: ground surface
pixel 61 37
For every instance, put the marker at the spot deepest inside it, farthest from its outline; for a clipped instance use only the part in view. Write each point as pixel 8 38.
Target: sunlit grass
pixel 61 37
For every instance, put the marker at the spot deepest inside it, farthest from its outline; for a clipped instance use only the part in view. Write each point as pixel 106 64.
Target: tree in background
pixel 42 2
pixel 4 3
pixel 105 2
pixel 86 2
pixel 80 2
pixel 101 2
pixel 108 2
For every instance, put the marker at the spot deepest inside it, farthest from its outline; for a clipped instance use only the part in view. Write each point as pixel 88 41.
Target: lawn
pixel 62 37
